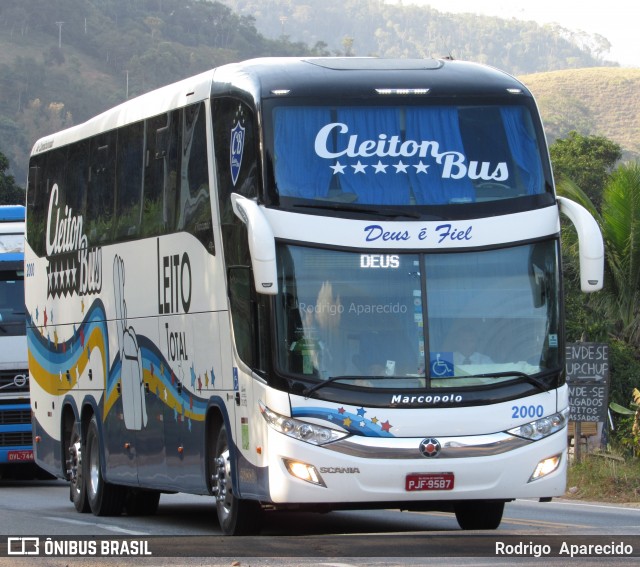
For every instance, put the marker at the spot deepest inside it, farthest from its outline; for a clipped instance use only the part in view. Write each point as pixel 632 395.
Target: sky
pixel 616 20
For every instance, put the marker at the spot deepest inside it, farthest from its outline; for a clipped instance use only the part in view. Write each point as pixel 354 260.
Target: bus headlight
pixel 307 432
pixel 542 427
pixel 545 467
pixel 303 471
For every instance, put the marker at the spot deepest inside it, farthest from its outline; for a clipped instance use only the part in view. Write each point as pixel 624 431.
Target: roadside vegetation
pixel 605 477
pixel 610 190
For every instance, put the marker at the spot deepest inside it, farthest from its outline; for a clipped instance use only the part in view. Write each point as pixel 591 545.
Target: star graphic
pixel 386 426
pixel 363 423
pixel 374 420
pixel 341 410
pixel 401 167
pixel 361 412
pixel 347 422
pixel 338 168
pixel 45 316
pixel 421 167
pixel 380 167
pixel 359 167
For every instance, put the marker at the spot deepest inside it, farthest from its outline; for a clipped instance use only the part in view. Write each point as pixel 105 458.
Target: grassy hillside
pixel 600 101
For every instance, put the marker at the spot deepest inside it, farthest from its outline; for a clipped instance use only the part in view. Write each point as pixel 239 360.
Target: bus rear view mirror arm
pixel 589 242
pixel 262 246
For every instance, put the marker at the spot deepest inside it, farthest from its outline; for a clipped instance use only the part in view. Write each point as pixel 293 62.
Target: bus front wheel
pixel 479 514
pixel 236 516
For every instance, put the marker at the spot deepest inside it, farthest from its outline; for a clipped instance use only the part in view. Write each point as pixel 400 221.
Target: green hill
pixel 62 62
pixel 600 101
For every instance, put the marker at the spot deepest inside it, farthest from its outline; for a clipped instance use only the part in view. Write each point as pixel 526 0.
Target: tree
pixel 586 160
pixel 10 193
pixel 619 301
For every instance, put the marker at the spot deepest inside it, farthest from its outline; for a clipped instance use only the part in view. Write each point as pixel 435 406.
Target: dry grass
pixel 604 478
pixel 600 101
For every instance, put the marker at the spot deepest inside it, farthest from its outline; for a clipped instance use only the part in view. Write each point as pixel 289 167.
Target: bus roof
pixel 320 76
pixel 361 76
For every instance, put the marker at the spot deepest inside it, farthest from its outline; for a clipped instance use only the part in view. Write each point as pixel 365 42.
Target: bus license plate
pixel 429 481
pixel 20 456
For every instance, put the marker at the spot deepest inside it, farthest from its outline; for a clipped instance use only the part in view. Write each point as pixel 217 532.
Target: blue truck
pixel 16 445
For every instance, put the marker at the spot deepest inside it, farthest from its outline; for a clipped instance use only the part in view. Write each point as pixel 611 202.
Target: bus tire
pixel 479 514
pixel 140 502
pixel 105 499
pixel 75 472
pixel 236 516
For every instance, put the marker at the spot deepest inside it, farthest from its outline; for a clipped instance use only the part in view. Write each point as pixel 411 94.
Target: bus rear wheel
pixel 105 499
pixel 236 516
pixel 77 485
pixel 479 514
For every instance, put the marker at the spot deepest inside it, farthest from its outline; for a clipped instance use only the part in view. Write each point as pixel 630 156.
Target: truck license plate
pixel 20 456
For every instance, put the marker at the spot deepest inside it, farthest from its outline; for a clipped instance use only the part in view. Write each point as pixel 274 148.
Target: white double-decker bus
pixel 303 283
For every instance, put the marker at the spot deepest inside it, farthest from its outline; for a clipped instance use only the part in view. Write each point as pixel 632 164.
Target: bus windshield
pixel 420 320
pixel 406 155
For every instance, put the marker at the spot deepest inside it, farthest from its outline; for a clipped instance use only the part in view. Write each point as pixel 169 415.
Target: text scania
pixel 425 400
pixel 454 164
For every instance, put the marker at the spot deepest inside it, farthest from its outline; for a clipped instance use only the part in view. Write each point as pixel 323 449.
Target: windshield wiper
pixel 306 393
pixel 387 213
pixel 531 379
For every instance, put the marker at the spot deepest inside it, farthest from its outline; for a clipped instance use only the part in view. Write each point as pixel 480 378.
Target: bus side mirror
pixel 262 244
pixel 589 242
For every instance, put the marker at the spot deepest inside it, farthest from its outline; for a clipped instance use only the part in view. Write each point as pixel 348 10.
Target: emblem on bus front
pixel 237 149
pixel 430 447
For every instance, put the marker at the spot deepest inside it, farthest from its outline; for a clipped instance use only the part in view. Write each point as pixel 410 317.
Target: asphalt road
pixel 185 532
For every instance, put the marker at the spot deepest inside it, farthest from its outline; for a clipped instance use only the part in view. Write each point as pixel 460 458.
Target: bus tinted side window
pixel 76 178
pixel 236 155
pixel 193 199
pixel 46 171
pixel 37 204
pixel 161 173
pixel 100 195
pixel 129 181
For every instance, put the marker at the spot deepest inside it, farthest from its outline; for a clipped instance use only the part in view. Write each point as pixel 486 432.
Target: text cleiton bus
pixel 319 284
pixel 16 454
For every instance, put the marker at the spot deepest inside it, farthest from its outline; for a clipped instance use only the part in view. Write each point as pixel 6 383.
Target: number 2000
pixel 519 412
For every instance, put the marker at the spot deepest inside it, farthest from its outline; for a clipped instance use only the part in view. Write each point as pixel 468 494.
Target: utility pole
pixel 59 24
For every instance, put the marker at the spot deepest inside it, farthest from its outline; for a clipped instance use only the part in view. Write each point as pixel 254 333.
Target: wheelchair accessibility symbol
pixel 441 364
